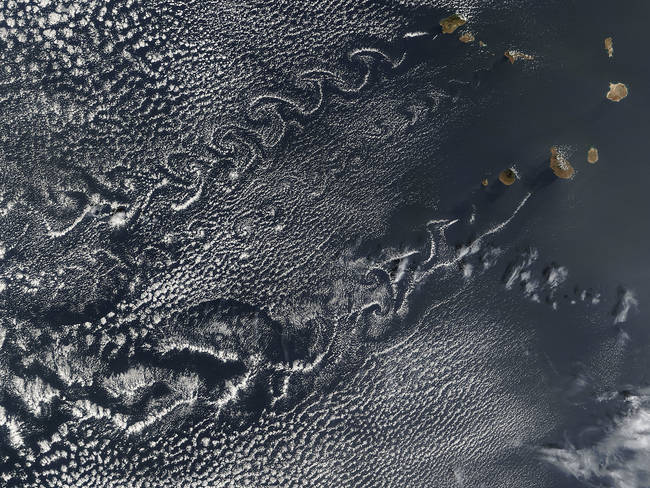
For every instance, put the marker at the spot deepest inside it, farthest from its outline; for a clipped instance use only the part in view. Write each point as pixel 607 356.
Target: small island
pixel 617 92
pixel 508 176
pixel 609 46
pixel 466 37
pixel 560 165
pixel 514 55
pixel 451 23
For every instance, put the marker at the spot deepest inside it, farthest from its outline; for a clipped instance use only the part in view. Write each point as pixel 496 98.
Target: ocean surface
pixel 266 244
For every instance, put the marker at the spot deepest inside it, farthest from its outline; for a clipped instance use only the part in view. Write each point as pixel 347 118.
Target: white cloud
pixel 627 302
pixel 621 459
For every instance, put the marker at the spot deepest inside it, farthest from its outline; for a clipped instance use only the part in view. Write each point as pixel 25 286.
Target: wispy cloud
pixel 626 302
pixel 620 459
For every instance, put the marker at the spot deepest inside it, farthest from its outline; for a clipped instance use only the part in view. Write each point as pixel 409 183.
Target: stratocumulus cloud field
pixel 305 243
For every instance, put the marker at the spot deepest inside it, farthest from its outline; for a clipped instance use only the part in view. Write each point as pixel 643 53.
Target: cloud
pixel 620 459
pixel 626 302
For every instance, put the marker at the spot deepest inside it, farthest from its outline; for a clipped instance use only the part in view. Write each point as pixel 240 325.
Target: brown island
pixel 451 23
pixel 617 92
pixel 560 165
pixel 508 176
